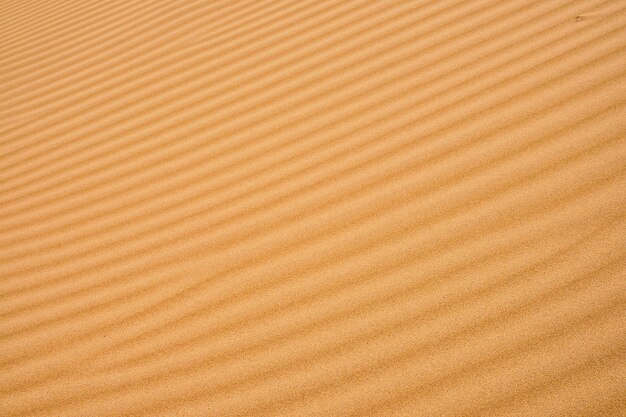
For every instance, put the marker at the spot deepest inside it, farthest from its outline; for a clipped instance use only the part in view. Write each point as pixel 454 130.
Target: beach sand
pixel 312 208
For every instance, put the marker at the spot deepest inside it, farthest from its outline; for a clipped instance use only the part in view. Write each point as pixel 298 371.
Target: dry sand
pixel 312 208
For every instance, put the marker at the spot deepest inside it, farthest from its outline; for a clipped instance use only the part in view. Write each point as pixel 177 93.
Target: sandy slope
pixel 242 208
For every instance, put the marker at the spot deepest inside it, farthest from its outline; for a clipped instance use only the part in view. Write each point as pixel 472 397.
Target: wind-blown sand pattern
pixel 312 208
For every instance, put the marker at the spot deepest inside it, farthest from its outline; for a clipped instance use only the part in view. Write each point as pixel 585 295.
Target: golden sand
pixel 312 208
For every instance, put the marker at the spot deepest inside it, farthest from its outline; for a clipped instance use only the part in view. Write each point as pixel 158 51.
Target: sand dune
pixel 313 208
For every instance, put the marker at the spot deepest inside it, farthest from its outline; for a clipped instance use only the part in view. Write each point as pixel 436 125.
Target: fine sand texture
pixel 312 208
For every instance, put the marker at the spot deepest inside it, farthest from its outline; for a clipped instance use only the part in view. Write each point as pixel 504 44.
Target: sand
pixel 312 208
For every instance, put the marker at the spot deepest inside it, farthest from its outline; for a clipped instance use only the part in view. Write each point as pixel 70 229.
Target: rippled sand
pixel 312 208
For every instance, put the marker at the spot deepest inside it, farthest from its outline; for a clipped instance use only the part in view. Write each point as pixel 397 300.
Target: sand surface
pixel 312 208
